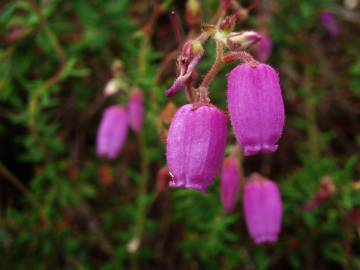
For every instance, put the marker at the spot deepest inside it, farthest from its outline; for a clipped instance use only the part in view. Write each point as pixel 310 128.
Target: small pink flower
pixel 256 107
pixel 230 182
pixel 136 110
pixel 195 146
pixel 112 132
pixel 262 209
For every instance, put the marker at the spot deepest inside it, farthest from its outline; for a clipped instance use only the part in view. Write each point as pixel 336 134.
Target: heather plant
pixel 114 116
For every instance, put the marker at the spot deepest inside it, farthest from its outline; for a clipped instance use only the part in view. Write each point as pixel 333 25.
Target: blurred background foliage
pixel 63 208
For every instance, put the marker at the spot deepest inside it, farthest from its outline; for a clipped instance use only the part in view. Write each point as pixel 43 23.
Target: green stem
pixel 310 111
pixel 141 201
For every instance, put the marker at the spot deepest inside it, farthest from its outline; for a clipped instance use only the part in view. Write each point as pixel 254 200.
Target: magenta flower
pixel 262 209
pixel 328 21
pixel 195 146
pixel 263 48
pixel 256 107
pixel 136 110
pixel 230 180
pixel 112 132
pixel 187 61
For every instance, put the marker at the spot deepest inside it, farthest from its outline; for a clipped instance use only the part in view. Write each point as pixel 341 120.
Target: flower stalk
pixel 214 70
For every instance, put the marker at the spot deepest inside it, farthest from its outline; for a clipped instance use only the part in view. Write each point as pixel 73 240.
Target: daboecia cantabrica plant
pixel 197 135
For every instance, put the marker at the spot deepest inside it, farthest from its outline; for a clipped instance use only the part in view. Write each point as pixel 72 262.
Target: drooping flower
pixel 328 21
pixel 187 61
pixel 262 209
pixel 263 48
pixel 256 107
pixel 112 132
pixel 136 110
pixel 195 146
pixel 230 182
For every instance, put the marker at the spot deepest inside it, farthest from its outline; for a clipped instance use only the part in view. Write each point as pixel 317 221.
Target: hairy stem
pixel 242 56
pixel 214 70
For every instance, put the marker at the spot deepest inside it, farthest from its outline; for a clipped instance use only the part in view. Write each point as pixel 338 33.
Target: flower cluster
pixel 197 135
pixel 116 121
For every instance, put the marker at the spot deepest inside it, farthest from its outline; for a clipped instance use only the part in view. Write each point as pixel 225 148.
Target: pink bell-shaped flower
pixel 136 110
pixel 195 146
pixel 263 48
pixel 262 209
pixel 112 132
pixel 230 182
pixel 256 107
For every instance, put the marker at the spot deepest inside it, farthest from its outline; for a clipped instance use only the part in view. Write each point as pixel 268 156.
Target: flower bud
pixel 195 146
pixel 230 180
pixel 193 13
pixel 326 189
pixel 256 107
pixel 114 86
pixel 117 68
pixel 112 132
pixel 136 110
pixel 187 61
pixel 263 48
pixel 242 40
pixel 262 209
pixel 227 25
pixel 328 21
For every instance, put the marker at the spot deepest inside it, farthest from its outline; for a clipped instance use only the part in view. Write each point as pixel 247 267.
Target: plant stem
pixel 141 201
pixel 7 174
pixel 177 28
pixel 310 111
pixel 50 34
pixel 140 216
pixel 242 56
pixel 214 70
pixel 13 179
